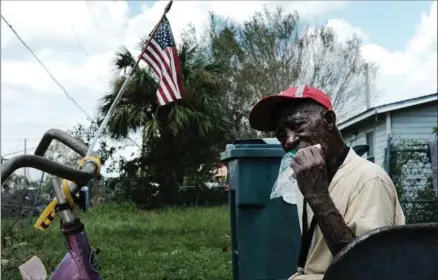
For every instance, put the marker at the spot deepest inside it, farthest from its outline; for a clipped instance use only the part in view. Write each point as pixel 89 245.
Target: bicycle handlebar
pixel 38 161
pixel 62 137
pixel 46 165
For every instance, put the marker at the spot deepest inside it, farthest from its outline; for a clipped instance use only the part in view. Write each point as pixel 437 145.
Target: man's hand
pixel 311 172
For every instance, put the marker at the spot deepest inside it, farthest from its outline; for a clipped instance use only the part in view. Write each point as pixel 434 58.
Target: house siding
pixel 414 123
pixel 380 138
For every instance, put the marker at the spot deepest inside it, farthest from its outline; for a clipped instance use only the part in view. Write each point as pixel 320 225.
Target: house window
pixel 370 142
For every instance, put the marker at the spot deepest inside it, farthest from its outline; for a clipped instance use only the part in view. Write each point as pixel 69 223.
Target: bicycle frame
pixel 79 261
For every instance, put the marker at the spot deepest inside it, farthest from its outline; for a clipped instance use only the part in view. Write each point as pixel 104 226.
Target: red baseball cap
pixel 260 117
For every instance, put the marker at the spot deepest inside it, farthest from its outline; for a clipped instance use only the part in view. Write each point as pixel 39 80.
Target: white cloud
pixel 344 30
pixel 413 71
pixel 30 97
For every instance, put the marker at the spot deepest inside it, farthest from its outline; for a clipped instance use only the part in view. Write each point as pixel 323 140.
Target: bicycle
pixel 79 261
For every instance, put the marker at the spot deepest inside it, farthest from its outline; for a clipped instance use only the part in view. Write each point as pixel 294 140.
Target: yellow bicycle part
pixel 47 216
pixel 67 193
pixel 96 160
pixel 49 213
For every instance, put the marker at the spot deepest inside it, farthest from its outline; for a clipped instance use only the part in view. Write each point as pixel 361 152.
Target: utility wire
pixel 88 56
pixel 79 41
pixel 83 49
pixel 97 25
pixel 45 68
pixel 51 76
pixel 13 140
pixel 18 144
pixel 18 152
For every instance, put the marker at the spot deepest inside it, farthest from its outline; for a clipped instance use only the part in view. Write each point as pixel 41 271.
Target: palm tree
pixel 184 134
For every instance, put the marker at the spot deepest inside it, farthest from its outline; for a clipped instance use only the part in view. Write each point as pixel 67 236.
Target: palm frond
pixel 123 59
pixel 151 129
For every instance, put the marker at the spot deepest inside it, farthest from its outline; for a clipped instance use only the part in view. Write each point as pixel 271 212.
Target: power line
pixel 97 25
pixel 18 144
pixel 83 49
pixel 88 56
pixel 13 140
pixel 45 68
pixel 79 41
pixel 51 76
pixel 19 152
pixel 31 124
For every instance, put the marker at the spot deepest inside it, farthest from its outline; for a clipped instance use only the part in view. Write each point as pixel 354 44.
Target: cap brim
pixel 261 115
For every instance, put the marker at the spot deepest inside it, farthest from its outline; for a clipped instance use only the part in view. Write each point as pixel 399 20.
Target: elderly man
pixel 341 195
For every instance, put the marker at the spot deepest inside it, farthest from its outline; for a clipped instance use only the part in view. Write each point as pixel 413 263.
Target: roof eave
pixel 387 108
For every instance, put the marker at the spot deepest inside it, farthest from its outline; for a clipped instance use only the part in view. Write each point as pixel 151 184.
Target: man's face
pixel 302 125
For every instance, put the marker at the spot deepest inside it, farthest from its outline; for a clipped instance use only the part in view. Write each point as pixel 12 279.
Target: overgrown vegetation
pixel 154 245
pixel 412 174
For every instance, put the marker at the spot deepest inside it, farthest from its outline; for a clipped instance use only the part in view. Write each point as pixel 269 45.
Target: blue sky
pixel 135 6
pixel 389 24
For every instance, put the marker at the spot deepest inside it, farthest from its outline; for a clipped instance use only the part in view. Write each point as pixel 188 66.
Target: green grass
pixel 135 244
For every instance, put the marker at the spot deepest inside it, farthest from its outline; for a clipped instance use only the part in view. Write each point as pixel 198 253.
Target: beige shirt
pixel 365 196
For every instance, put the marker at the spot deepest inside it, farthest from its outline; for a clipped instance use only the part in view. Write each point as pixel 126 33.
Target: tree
pixel 274 50
pixel 104 149
pixel 18 194
pixel 58 152
pixel 180 139
pixel 16 182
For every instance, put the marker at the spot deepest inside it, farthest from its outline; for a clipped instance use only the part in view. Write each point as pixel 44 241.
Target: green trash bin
pixel 265 232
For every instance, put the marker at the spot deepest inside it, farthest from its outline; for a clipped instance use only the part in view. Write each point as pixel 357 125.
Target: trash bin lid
pixel 257 141
pixel 250 148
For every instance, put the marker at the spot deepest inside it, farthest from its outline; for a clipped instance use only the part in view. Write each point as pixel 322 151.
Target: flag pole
pixel 125 83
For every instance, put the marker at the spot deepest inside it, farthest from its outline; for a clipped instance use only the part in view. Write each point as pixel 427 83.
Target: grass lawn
pixel 153 245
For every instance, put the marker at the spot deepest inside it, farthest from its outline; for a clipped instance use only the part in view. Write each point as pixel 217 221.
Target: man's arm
pixel 372 206
pixel 333 227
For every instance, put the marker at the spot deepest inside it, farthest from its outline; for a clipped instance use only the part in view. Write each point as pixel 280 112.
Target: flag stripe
pixel 157 47
pixel 165 70
pixel 178 71
pixel 165 92
pixel 169 52
pixel 153 65
pixel 161 94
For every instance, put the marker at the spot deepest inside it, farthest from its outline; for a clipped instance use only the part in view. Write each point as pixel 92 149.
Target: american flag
pixel 162 56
